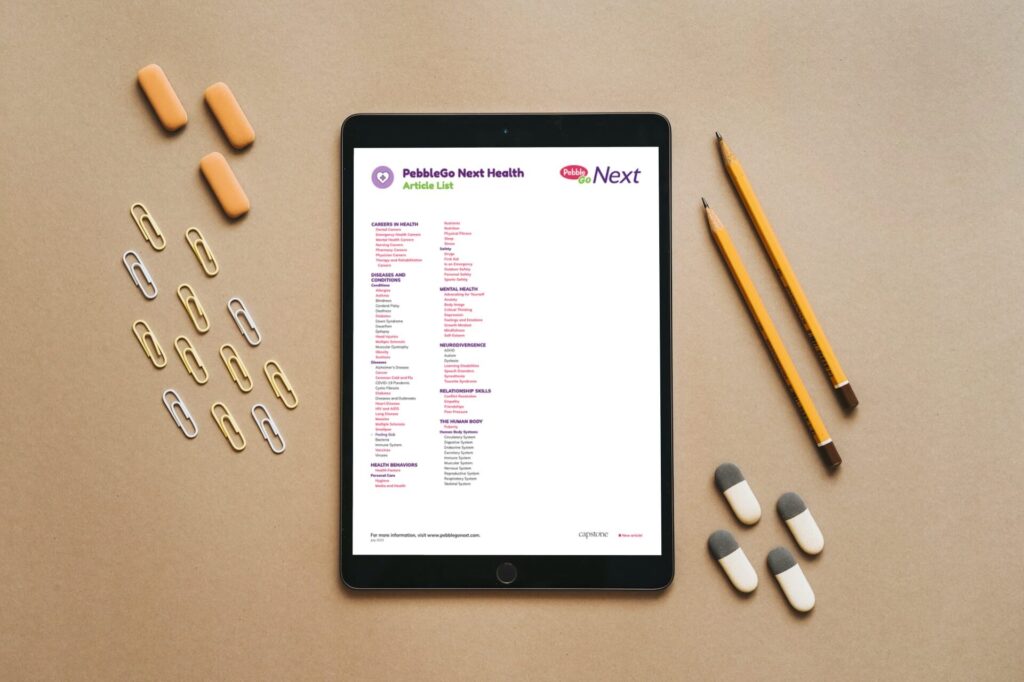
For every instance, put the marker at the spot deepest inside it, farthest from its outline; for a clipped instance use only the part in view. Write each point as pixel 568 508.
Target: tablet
pixel 506 362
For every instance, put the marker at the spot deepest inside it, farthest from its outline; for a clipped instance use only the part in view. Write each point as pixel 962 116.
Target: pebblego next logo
pixel 604 175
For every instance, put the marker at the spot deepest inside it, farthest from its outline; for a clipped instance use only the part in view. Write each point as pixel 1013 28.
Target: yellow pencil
pixel 816 335
pixel 787 369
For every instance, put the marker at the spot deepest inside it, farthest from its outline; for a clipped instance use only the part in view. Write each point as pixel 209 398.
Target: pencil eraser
pixel 846 396
pixel 800 523
pixel 224 184
pixel 791 579
pixel 229 115
pixel 828 452
pixel 731 483
pixel 734 562
pixel 162 97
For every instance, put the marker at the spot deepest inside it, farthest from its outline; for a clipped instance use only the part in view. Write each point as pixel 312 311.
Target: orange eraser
pixel 224 184
pixel 162 97
pixel 229 115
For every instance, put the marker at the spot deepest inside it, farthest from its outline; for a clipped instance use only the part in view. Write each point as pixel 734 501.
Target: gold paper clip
pixel 202 250
pixel 146 218
pixel 152 350
pixel 244 320
pixel 228 426
pixel 137 269
pixel 187 296
pixel 266 422
pixel 177 402
pixel 184 353
pixel 236 368
pixel 279 382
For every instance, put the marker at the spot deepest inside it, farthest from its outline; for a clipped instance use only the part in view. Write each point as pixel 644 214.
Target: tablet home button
pixel 507 573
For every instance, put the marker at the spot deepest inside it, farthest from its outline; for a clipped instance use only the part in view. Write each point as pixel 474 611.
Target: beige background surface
pixel 885 141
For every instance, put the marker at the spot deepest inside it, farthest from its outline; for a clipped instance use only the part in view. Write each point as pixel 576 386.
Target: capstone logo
pixel 593 534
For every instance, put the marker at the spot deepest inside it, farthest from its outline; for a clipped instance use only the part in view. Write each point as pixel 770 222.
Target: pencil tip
pixel 705 202
pixel 718 135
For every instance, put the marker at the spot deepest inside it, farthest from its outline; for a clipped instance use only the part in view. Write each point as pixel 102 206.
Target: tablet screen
pixel 506 379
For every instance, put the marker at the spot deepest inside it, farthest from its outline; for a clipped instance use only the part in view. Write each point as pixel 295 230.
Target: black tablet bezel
pixel 370 571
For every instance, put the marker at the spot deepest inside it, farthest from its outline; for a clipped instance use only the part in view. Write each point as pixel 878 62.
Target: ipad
pixel 506 362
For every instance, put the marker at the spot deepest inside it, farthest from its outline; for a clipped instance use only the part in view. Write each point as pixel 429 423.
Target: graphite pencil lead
pixel 718 135
pixel 705 202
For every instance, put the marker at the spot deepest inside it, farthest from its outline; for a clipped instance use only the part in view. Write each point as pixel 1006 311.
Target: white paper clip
pixel 246 325
pixel 177 402
pixel 137 269
pixel 267 422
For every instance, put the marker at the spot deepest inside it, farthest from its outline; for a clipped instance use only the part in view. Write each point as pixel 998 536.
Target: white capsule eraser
pixel 734 562
pixel 730 482
pixel 800 523
pixel 791 579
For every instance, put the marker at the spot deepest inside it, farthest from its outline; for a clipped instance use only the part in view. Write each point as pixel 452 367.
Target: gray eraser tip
pixel 722 544
pixel 789 505
pixel 727 475
pixel 780 559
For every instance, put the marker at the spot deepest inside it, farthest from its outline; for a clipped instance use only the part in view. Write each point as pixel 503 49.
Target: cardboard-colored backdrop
pixel 884 140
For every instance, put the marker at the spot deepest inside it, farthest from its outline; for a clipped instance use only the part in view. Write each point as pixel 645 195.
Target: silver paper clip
pixel 246 325
pixel 177 402
pixel 267 422
pixel 137 269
